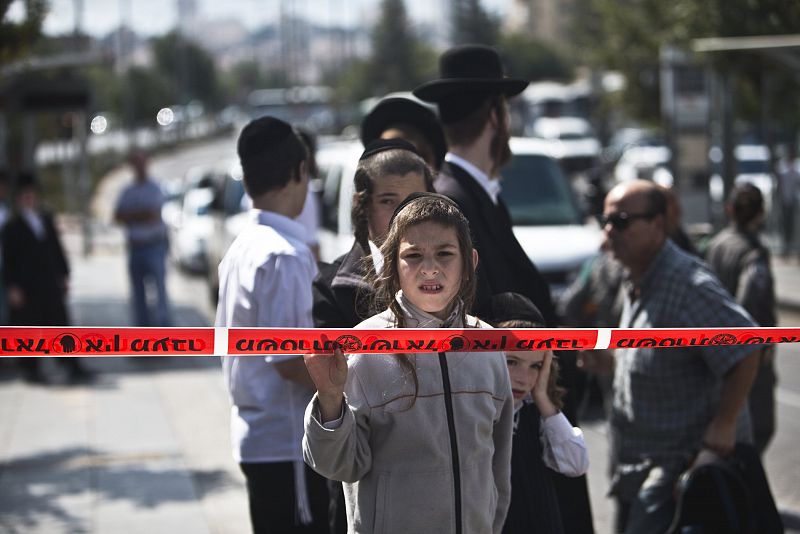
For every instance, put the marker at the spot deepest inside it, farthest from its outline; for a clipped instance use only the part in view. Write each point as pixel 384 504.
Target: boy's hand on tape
pixel 540 394
pixel 329 373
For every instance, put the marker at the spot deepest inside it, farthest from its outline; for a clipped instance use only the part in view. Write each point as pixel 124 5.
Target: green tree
pixel 147 92
pixel 627 35
pixel 17 38
pixel 399 60
pixel 393 46
pixel 531 59
pixel 189 69
pixel 472 24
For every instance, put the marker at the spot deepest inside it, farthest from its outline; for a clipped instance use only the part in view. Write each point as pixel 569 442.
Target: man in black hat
pixel 404 116
pixel 472 94
pixel 472 97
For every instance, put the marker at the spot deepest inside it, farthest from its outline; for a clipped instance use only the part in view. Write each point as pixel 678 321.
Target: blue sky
pixel 153 17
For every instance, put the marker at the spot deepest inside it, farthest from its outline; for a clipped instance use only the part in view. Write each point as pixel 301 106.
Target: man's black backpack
pixel 731 496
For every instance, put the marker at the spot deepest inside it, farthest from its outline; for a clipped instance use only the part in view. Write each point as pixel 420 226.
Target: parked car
pixel 228 217
pixel 575 145
pixel 189 240
pixel 547 219
pixel 548 222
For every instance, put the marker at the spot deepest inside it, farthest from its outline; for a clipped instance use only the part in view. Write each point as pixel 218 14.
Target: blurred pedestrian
pixel 788 187
pixel 265 280
pixel 139 210
pixel 404 116
pixel 742 263
pixel 670 405
pixel 472 95
pixel 36 273
pixel 389 170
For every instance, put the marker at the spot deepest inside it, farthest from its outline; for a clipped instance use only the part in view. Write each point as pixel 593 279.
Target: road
pixel 145 448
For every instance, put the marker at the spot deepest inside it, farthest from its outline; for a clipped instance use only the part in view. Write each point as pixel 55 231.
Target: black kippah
pixel 381 145
pixel 421 194
pixel 260 134
pixel 514 307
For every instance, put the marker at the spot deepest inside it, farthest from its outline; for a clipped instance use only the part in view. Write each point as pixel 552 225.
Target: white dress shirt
pixel 564 449
pixel 265 280
pixel 492 187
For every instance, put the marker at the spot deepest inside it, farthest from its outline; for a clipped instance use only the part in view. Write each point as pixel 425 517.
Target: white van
pixel 547 219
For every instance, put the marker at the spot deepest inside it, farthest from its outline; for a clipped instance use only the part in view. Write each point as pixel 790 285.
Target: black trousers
pixel 271 495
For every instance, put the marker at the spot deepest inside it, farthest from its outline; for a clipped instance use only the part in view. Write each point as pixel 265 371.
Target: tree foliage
pixel 472 24
pixel 17 38
pixel 531 59
pixel 399 61
pixel 187 69
pixel 627 35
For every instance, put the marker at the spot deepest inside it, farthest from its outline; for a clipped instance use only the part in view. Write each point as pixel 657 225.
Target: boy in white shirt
pixel 265 280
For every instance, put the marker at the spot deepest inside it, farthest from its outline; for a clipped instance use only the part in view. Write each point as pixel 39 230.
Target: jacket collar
pixel 353 269
pixel 423 319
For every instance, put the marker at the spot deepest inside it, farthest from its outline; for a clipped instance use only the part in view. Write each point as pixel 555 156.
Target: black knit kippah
pixel 262 133
pixel 381 145
pixel 421 194
pixel 514 307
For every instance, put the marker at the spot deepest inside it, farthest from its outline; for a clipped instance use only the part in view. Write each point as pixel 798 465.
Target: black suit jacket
pixel 503 265
pixel 39 268
pixel 342 296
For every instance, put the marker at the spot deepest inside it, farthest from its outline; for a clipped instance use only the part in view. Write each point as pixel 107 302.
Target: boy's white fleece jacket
pixel 395 459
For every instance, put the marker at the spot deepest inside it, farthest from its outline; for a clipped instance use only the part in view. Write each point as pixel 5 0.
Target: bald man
pixel 671 404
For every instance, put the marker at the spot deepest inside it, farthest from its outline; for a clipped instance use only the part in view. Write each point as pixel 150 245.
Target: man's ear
pixel 474 260
pixel 301 171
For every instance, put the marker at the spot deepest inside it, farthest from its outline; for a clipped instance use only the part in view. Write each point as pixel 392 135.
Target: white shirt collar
pixel 282 224
pixel 377 257
pixel 492 187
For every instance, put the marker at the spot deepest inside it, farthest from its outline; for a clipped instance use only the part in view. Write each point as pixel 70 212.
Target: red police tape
pixel 114 341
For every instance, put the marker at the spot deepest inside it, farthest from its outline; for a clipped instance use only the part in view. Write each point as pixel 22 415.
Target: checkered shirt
pixel 665 398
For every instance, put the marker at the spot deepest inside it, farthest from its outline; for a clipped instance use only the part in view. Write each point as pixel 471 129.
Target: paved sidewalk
pixel 143 449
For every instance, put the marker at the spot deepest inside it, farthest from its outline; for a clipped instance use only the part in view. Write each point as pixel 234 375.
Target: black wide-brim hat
pixel 401 109
pixel 469 68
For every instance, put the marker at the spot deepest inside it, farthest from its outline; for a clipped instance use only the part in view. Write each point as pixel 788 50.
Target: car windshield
pixel 537 193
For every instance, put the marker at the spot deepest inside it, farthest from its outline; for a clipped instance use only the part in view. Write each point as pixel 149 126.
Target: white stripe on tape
pixel 221 340
pixel 603 338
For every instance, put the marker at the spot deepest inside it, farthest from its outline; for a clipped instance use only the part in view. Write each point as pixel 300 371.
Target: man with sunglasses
pixel 670 406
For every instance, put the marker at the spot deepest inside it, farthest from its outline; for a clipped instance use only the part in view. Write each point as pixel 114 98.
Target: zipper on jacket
pixel 451 426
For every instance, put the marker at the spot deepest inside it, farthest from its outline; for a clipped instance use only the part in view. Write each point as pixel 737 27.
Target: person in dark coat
pixel 35 273
pixel 472 96
pixel 742 263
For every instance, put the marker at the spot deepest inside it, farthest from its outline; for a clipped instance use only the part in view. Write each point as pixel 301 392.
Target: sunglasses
pixel 621 220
